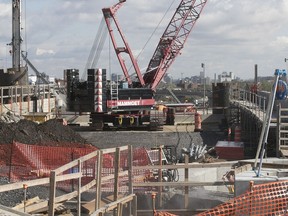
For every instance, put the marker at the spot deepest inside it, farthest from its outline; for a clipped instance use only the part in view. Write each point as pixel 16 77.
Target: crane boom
pixel 173 40
pixel 108 14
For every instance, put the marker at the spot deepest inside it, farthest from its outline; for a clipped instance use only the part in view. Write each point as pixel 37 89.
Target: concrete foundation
pixel 243 179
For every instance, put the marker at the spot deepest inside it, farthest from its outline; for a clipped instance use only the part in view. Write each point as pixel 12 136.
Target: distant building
pixel 168 79
pixel 32 79
pixel 116 77
pixel 226 77
pixel 196 79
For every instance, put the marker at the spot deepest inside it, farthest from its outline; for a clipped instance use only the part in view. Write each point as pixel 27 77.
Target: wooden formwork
pixel 117 201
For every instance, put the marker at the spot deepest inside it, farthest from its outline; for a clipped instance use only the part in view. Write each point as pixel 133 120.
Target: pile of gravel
pixel 51 132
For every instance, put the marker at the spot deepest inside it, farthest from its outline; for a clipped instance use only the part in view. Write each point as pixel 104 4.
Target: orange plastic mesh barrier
pixel 264 199
pixel 20 162
pixel 33 161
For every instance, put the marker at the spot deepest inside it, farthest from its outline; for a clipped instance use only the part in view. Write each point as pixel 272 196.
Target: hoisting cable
pixel 99 47
pixel 96 47
pixel 152 34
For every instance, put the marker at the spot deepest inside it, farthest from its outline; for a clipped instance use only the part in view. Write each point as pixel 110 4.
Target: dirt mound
pixel 51 132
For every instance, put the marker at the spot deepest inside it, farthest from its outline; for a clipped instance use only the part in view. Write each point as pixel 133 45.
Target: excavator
pixel 130 103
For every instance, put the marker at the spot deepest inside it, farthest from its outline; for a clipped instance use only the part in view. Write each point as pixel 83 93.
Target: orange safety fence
pixel 25 162
pixel 140 158
pixel 263 199
pixel 19 162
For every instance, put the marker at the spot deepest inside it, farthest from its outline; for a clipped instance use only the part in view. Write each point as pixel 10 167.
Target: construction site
pixel 104 146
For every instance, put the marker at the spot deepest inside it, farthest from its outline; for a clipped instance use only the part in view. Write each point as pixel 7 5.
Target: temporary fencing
pixel 20 162
pixel 263 199
pixel 25 162
pixel 140 158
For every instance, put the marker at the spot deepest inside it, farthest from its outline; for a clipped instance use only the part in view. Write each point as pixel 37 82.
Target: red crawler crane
pixel 169 46
pixel 129 105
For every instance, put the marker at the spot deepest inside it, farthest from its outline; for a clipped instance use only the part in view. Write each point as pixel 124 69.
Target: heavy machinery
pixel 130 103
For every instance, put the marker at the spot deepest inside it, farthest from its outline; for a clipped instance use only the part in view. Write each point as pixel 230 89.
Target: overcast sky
pixel 230 35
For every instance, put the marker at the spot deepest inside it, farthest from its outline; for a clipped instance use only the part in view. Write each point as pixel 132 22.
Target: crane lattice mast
pixel 173 40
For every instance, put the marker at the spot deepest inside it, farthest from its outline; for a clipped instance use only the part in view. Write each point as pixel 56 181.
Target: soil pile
pixel 51 132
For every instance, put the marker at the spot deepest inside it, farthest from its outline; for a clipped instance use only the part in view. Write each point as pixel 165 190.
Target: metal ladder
pixel 282 132
pixel 114 95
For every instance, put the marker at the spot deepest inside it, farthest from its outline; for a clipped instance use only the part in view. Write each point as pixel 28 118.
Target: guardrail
pixel 255 102
pixel 20 99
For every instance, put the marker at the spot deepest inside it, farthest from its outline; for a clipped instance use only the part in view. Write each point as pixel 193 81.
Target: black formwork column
pixel 220 97
pixel 91 88
pixel 71 77
pixel 170 117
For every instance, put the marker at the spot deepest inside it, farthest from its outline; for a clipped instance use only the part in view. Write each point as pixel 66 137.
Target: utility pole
pixel 204 87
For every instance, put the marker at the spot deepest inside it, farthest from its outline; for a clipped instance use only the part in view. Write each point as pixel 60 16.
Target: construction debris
pixel 198 153
pixel 51 132
pixel 10 117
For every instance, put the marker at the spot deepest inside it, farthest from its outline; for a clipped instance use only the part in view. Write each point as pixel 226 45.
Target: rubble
pixel 10 117
pixel 51 132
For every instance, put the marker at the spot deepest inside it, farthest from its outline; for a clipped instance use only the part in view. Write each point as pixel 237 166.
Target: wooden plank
pixel 134 206
pixel 116 173
pixel 89 207
pixel 89 156
pixel 12 211
pixel 52 193
pixel 160 203
pixel 109 177
pixel 130 169
pixel 113 150
pixel 19 185
pixel 66 167
pixel 62 198
pixel 189 166
pixel 119 209
pixel 27 203
pixel 75 162
pixel 130 179
pixel 59 199
pixel 88 185
pixel 45 209
pixel 113 205
pixel 181 184
pixel 79 189
pixel 99 180
pixel 68 176
pixel 186 197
